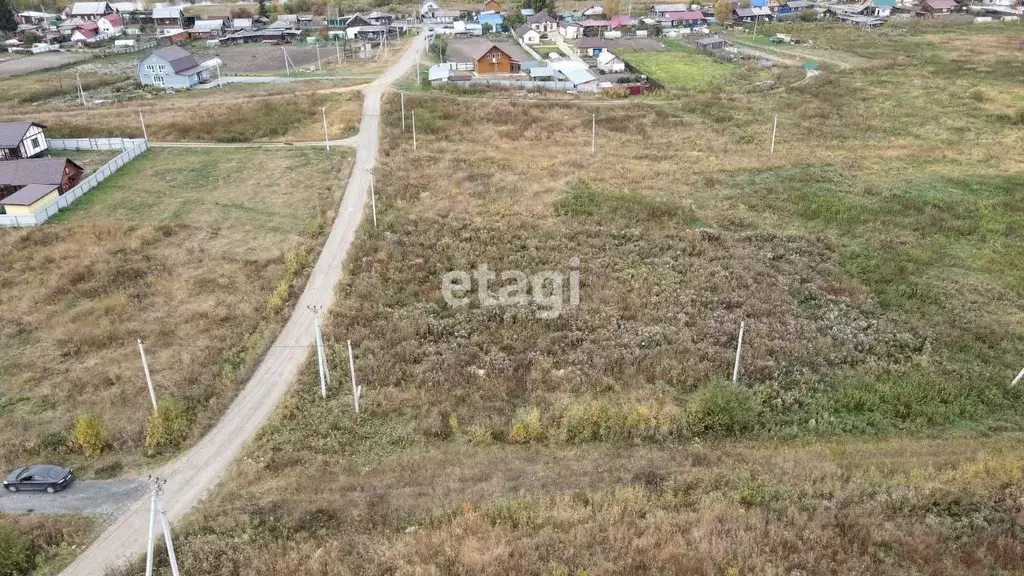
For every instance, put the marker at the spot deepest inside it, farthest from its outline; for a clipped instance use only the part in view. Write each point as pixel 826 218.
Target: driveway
pixel 191 476
pixel 89 497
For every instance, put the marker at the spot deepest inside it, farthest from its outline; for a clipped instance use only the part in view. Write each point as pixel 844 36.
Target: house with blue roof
pixel 497 21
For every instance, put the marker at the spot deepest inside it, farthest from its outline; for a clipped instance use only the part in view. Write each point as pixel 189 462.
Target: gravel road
pixel 90 497
pixel 194 473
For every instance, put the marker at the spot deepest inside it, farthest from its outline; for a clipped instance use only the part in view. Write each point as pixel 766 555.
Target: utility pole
pixel 149 380
pixel 337 48
pixel 593 133
pixel 357 391
pixel 321 354
pixel 81 93
pixel 220 82
pixel 318 66
pixel 157 507
pixel 775 126
pixel 402 94
pixel 413 129
pixel 756 18
pixel 287 70
pixel 739 352
pixel 1018 378
pixel 327 141
pixel 144 135
pixel 373 198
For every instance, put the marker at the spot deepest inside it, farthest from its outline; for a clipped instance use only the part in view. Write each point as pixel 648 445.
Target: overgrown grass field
pixel 874 259
pixel 196 252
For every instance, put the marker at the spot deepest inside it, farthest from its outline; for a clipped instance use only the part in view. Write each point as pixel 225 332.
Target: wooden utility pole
pixel 1018 378
pixel 593 134
pixel 402 94
pixel 287 70
pixel 327 141
pixel 357 390
pixel 413 129
pixel 145 369
pixel 144 135
pixel 739 353
pixel 775 127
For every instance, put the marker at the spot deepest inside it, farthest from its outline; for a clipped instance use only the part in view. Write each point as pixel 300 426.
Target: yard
pixel 874 259
pixel 196 252
pixel 679 68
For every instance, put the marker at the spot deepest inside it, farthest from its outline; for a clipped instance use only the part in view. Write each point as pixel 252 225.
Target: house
pixel 497 21
pixel 355 20
pixel 593 11
pixel 711 43
pixel 242 24
pixel 35 18
pixel 492 6
pixel 370 32
pixel 878 8
pixel 172 18
pixel 619 21
pixel 592 46
pixel 88 31
pixel 442 16
pixel 610 63
pixel 21 140
pixel 59 172
pixel 542 23
pixel 208 29
pixel 595 27
pixel 30 199
pixel 528 35
pixel 380 18
pixel 428 7
pixel 570 30
pixel 935 8
pixel 88 10
pixel 172 37
pixel 685 19
pixel 486 56
pixel 751 14
pixel 172 67
pixel 111 25
pixel 662 10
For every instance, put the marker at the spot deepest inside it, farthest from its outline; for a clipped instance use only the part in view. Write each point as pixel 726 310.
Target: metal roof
pixel 171 12
pixel 33 171
pixel 578 77
pixel 11 133
pixel 89 8
pixel 178 58
pixel 711 40
pixel 28 195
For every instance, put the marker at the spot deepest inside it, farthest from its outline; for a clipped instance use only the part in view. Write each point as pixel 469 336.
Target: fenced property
pixel 130 147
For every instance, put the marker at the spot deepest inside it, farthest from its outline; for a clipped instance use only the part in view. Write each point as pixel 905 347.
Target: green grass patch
pixel 679 68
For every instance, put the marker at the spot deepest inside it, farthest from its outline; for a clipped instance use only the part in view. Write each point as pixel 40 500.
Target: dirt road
pixel 93 497
pixel 193 474
pixel 37 62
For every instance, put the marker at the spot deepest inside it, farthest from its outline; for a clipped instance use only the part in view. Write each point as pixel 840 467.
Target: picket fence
pixel 130 147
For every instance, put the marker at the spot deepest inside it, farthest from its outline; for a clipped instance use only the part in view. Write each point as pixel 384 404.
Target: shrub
pixel 721 409
pixel 525 426
pixel 168 427
pixel 16 557
pixel 1018 116
pixel 90 435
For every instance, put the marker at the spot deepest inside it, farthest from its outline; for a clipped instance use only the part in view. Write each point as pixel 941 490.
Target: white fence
pixel 131 148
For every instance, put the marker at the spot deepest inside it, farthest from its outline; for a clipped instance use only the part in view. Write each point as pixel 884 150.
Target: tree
pixel 7 23
pixel 744 3
pixel 439 46
pixel 611 8
pixel 264 11
pixel 514 20
pixel 540 6
pixel 240 12
pixel 486 28
pixel 723 11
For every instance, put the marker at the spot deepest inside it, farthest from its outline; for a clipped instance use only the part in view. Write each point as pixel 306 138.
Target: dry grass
pixel 180 248
pixel 42 544
pixel 291 118
pixel 875 258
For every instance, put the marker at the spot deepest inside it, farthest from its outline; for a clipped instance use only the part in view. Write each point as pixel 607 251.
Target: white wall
pixel 33 143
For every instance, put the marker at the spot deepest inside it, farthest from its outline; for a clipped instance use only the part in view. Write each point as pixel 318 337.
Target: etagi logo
pixel 516 288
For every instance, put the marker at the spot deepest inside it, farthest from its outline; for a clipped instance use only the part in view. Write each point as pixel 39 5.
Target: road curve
pixel 193 474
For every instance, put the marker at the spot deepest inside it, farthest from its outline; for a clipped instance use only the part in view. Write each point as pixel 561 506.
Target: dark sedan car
pixel 42 477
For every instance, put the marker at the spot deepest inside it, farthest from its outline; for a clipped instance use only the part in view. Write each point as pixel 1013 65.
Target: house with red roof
pixel 111 25
pixel 87 31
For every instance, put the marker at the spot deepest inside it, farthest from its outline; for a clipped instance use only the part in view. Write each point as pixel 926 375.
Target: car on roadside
pixel 39 477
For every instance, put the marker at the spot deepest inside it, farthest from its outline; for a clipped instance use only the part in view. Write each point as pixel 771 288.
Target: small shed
pixel 711 43
pixel 528 35
pixel 30 199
